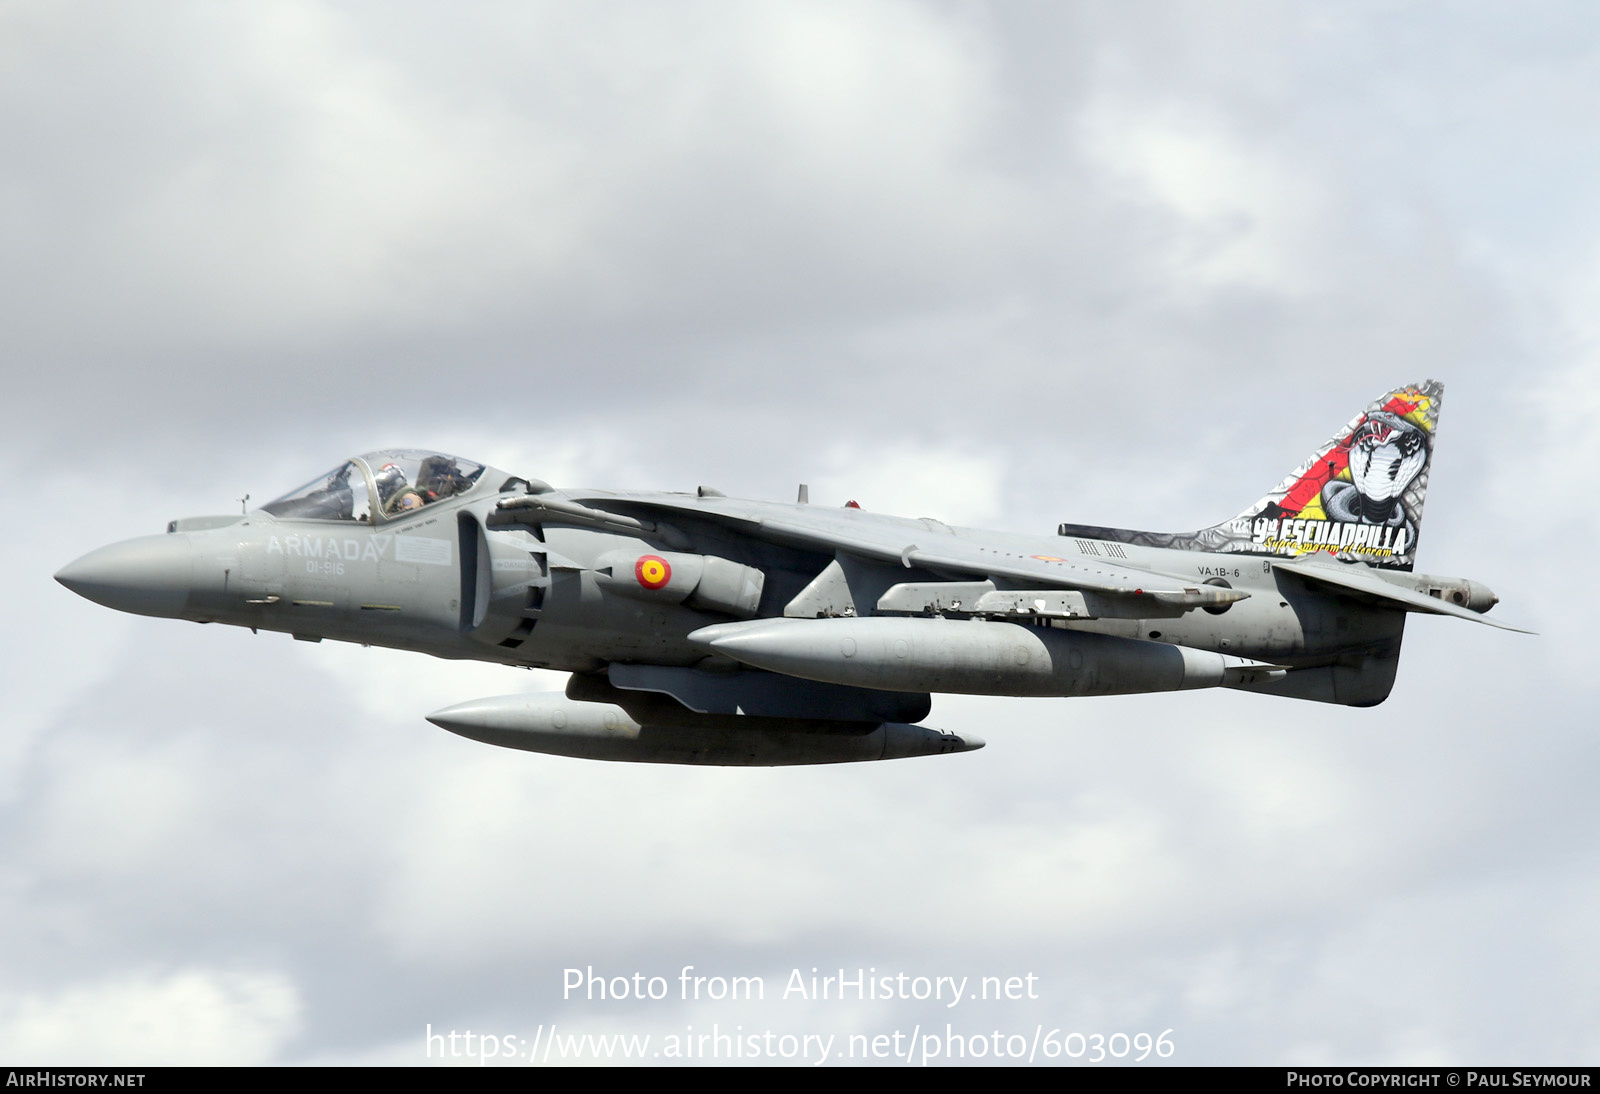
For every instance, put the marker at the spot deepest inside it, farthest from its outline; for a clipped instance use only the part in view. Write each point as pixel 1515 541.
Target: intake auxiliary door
pixel 477 572
pixel 503 583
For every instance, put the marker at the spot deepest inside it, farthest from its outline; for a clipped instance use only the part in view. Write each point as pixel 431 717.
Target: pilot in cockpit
pixel 439 477
pixel 391 482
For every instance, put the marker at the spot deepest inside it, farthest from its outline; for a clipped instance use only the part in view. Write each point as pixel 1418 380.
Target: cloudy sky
pixel 1005 265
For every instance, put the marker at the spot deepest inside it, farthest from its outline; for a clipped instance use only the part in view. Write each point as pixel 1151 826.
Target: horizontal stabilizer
pixel 1358 579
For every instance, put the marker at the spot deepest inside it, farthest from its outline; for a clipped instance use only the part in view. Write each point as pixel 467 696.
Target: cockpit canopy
pixel 401 480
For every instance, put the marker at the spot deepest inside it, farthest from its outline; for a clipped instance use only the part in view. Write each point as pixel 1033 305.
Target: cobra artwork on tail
pixel 1359 496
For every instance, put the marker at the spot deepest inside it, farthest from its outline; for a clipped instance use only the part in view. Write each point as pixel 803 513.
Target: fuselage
pixel 454 580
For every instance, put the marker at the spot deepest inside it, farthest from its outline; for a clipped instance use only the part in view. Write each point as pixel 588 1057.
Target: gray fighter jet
pixel 704 629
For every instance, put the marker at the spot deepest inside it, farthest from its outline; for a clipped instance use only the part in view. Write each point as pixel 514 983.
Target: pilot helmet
pixel 389 478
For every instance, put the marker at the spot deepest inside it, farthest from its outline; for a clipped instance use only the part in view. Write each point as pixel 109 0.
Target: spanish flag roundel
pixel 652 571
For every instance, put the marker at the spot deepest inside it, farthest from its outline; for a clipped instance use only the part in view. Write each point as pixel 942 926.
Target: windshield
pixel 341 494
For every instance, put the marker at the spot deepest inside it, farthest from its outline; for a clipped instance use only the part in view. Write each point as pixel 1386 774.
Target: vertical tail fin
pixel 1361 493
pixel 1359 496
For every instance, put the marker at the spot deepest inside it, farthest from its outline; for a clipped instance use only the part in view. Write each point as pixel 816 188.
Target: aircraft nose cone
pixel 147 576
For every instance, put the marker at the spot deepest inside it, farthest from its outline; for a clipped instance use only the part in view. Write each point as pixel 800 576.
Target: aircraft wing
pixel 1367 583
pixel 929 546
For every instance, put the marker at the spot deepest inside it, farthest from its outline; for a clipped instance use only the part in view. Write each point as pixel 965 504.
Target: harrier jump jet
pixel 704 629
